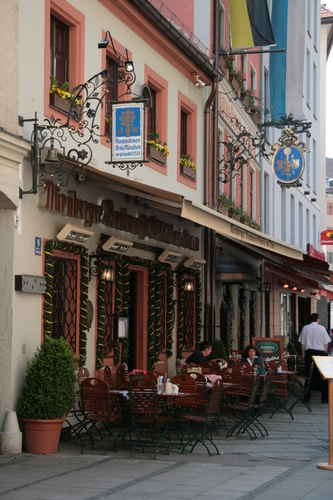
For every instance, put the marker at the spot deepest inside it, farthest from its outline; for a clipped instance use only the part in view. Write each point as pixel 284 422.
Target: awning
pixel 236 231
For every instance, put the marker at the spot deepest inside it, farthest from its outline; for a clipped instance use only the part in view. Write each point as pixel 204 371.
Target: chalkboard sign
pixel 269 348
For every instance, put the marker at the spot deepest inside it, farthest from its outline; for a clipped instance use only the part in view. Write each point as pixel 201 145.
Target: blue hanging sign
pixel 128 144
pixel 288 160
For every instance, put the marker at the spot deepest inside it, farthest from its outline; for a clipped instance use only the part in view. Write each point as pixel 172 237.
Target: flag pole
pixel 235 53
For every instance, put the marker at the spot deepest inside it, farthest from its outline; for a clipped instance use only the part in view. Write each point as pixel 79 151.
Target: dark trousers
pixel 318 383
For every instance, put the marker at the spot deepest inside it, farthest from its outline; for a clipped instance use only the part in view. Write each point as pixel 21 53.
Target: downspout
pixel 209 238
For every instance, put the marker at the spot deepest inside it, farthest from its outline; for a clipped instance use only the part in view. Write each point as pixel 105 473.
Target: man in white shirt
pixel 314 339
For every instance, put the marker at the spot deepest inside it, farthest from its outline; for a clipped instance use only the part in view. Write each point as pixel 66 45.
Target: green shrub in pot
pixel 48 390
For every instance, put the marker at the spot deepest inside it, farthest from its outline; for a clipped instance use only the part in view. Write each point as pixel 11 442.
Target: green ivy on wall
pixel 230 302
pixel 242 305
pixel 253 310
pixel 49 247
pixel 122 299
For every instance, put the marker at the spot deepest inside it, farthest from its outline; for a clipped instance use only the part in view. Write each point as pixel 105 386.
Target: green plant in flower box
pixel 63 91
pixel 187 161
pixel 156 144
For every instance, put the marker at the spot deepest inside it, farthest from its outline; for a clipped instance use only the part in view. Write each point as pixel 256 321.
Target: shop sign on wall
pixel 127 132
pixel 288 160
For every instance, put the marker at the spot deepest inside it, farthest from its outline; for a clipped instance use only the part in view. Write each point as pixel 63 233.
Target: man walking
pixel 314 339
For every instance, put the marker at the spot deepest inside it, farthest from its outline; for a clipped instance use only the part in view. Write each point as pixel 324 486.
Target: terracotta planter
pixel 224 67
pixel 156 155
pixel 189 172
pixel 256 118
pixel 222 209
pixel 235 85
pixel 42 436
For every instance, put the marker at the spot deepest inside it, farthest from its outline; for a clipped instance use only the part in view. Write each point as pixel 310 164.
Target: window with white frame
pixel 253 78
pixel 292 219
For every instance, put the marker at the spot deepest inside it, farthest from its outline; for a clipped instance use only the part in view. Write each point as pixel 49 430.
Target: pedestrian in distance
pixel 314 340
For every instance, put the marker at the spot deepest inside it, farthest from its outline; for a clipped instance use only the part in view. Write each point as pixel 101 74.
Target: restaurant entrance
pixel 138 317
pixel 132 309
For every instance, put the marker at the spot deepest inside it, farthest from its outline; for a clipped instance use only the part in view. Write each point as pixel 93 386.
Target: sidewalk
pixel 281 465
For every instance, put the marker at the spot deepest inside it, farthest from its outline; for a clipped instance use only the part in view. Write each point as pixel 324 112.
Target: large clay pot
pixel 42 436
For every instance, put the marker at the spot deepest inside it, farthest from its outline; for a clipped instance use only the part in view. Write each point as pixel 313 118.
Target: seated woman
pixel 251 357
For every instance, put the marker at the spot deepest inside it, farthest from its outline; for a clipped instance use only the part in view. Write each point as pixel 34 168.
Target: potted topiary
pixel 47 395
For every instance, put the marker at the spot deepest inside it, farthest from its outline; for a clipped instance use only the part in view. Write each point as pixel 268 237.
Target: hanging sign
pixel 326 237
pixel 128 144
pixel 288 160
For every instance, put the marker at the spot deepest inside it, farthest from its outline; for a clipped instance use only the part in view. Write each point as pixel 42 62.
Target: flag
pixel 286 69
pixel 250 24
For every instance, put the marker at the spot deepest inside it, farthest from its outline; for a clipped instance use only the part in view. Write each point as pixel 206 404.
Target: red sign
pixel 312 252
pixel 326 237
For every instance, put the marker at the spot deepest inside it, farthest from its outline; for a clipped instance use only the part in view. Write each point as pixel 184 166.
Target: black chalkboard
pixel 269 348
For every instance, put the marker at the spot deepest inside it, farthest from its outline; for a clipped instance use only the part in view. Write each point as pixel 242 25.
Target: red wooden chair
pixel 108 376
pixel 96 406
pixel 198 427
pixel 147 418
pixel 209 367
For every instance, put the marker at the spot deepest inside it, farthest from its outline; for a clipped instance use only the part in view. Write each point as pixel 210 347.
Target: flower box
pixel 188 172
pixel 235 85
pixel 156 155
pixel 64 105
pixel 256 118
pixel 224 67
pixel 222 209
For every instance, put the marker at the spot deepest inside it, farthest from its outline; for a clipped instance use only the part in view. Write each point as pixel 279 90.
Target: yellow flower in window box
pixel 63 92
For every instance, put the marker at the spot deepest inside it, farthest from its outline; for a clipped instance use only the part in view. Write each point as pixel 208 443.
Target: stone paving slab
pixel 281 465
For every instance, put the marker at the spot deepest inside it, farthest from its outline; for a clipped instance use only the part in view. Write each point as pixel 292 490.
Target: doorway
pixel 304 310
pixel 138 318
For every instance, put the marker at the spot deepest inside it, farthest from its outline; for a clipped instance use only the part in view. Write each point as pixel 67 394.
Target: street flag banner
pixel 288 25
pixel 250 24
pixel 326 237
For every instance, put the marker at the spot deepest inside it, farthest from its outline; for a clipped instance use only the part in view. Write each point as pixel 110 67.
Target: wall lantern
pixel 97 267
pixel 189 286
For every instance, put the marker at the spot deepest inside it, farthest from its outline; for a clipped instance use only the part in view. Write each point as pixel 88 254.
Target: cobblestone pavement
pixel 283 464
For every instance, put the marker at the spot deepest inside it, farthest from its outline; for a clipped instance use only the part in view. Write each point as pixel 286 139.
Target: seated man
pixel 200 354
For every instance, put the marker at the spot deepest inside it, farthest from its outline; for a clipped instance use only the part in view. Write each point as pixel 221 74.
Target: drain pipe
pixel 208 237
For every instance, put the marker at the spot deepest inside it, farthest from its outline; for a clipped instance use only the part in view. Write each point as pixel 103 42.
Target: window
pixel 157 114
pixel 308 16
pixel 221 27
pixel 266 203
pixel 253 81
pixel 241 187
pixel 285 315
pixel 314 166
pixel 292 219
pixel 64 44
pixel 308 79
pixel 151 115
pixel 251 193
pixel 307 222
pixel 187 139
pixel 65 305
pixel 59 51
pixel 283 214
pixel 314 91
pixel 183 133
pixel 315 20
pixel 329 209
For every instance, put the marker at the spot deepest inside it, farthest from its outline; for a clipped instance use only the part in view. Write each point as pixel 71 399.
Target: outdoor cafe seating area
pixel 145 410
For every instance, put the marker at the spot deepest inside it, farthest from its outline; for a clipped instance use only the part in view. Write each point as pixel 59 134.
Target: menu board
pixel 324 365
pixel 269 348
